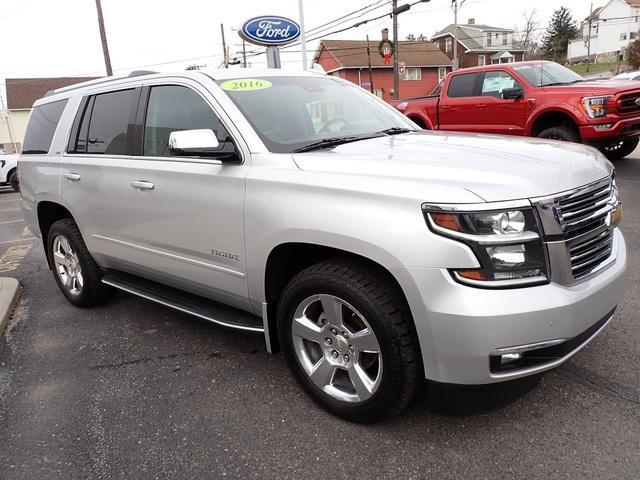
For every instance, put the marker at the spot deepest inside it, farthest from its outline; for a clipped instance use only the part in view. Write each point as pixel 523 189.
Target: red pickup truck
pixel 536 99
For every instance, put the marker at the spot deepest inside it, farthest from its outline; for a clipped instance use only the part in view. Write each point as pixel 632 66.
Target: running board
pixel 184 302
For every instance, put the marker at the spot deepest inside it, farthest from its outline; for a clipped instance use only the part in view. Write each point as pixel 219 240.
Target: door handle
pixel 481 105
pixel 72 177
pixel 445 107
pixel 142 185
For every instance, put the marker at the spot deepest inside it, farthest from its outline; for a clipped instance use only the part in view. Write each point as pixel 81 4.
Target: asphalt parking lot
pixel 134 390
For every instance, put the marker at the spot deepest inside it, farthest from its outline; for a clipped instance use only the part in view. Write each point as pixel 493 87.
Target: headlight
pixel 595 106
pixel 506 242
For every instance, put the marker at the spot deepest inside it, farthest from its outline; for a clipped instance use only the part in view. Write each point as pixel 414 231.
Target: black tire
pixel 14 180
pixel 563 133
pixel 92 291
pixel 618 150
pixel 384 307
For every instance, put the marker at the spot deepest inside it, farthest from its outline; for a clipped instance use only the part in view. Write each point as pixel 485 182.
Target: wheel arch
pixel 551 117
pixel 420 120
pixel 48 213
pixel 287 259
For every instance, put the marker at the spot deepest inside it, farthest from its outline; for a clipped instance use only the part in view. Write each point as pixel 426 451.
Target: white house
pixel 613 27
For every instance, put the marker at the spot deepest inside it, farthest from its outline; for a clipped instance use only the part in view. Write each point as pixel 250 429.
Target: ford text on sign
pixel 270 30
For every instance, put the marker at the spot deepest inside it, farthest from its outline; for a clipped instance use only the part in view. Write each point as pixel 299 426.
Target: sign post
pixel 271 32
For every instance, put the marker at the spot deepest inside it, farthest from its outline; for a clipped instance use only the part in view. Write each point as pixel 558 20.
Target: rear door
pixel 503 116
pixel 93 175
pixel 188 215
pixel 462 107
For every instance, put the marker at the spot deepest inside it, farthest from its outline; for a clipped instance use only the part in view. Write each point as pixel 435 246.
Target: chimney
pixel 472 21
pixel 385 34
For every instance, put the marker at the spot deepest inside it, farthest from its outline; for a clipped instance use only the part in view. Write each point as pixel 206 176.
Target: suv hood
pixel 494 167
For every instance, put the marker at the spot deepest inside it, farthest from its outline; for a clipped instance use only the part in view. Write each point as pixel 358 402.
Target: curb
pixel 9 295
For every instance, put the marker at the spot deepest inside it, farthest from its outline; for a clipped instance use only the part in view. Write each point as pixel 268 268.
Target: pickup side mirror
pixel 512 93
pixel 202 143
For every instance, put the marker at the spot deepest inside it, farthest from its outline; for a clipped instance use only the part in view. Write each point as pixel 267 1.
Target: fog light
pixel 507 255
pixel 509 358
pixel 603 126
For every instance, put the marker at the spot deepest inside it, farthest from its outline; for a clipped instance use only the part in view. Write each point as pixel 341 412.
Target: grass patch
pixel 598 68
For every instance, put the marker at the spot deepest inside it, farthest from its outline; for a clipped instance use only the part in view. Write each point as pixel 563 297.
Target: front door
pixel 504 116
pixel 187 212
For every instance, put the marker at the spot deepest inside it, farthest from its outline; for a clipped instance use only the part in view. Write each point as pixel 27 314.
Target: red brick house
pixel 422 66
pixel 479 44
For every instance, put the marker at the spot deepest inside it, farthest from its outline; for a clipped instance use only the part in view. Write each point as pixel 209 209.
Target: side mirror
pixel 512 93
pixel 194 142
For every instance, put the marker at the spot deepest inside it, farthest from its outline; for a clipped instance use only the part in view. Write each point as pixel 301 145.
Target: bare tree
pixel 527 35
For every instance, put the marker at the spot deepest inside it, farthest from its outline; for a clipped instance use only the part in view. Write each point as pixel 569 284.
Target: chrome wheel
pixel 337 348
pixel 67 265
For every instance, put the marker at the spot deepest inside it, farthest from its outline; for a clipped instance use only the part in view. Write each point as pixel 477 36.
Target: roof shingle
pixel 22 92
pixel 353 53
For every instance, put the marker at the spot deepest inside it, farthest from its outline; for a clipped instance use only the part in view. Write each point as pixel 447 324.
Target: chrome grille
pixel 584 217
pixel 577 229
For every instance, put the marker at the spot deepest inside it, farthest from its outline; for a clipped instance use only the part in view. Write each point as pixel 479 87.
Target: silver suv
pixel 297 205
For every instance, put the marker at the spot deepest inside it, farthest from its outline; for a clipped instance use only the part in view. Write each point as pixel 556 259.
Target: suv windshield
pixel 548 73
pixel 292 113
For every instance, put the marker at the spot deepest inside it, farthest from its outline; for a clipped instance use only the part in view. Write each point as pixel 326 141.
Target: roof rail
pixel 137 73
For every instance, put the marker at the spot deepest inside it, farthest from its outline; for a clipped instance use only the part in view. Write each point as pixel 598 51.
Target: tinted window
pixel 495 82
pixel 42 125
pixel 462 85
pixel 105 123
pixel 173 108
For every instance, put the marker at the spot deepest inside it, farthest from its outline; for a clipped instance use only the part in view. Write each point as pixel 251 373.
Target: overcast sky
pixel 40 38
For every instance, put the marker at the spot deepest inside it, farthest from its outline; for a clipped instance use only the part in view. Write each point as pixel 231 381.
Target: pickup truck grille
pixel 627 103
pixel 584 218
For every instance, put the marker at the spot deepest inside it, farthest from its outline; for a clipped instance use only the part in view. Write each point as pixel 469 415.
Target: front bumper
pixel 621 128
pixel 459 326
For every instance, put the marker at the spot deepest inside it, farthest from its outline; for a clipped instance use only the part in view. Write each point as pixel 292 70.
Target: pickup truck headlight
pixel 595 107
pixel 506 242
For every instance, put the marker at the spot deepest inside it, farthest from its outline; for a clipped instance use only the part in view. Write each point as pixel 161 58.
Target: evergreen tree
pixel 561 29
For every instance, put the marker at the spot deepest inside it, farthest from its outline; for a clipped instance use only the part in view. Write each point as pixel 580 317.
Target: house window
pixel 632 36
pixel 488 40
pixel 482 60
pixel 448 45
pixel 623 36
pixel 442 72
pixel 504 39
pixel 412 73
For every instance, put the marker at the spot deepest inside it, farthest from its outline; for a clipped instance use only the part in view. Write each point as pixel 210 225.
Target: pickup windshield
pixel 547 74
pixel 306 113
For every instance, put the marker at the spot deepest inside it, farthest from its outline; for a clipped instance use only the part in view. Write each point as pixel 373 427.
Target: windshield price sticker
pixel 245 84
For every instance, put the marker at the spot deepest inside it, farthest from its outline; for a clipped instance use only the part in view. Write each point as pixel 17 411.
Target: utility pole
pixel 225 54
pixel 396 72
pixel 370 72
pixel 303 36
pixel 589 39
pixel 454 5
pixel 103 37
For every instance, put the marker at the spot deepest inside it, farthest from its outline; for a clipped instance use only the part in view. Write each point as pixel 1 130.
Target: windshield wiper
pixel 330 142
pixel 395 130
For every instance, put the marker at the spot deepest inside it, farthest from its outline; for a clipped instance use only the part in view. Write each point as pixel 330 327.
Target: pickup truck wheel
pixel 618 150
pixel 348 337
pixel 14 181
pixel 77 274
pixel 560 133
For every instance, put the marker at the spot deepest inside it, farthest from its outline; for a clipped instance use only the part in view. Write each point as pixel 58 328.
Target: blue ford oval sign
pixel 270 30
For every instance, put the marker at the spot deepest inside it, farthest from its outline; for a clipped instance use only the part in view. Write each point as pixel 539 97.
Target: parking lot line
pixel 10 210
pixel 11 200
pixel 11 221
pixel 18 240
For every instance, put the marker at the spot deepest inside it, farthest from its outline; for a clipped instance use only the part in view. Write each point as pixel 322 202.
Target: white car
pixel 630 76
pixel 9 171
